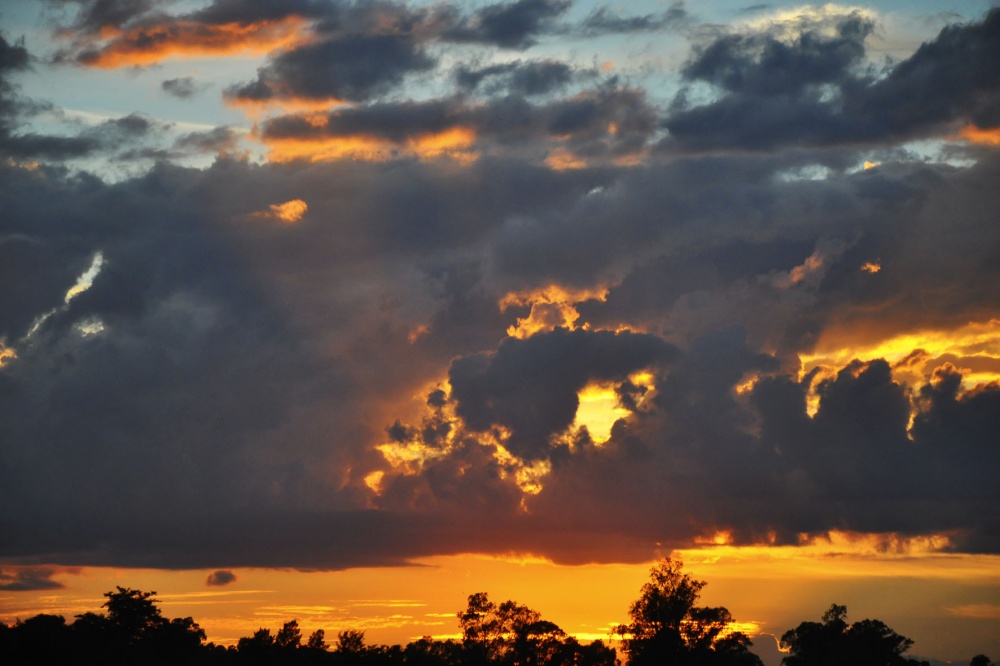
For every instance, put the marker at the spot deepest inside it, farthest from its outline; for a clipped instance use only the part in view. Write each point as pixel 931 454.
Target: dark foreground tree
pixel 511 634
pixel 834 642
pixel 667 627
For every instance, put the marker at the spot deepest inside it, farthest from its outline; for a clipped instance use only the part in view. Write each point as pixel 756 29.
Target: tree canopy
pixel 833 642
pixel 667 627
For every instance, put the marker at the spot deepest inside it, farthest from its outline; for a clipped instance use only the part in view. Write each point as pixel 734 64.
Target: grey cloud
pixel 93 15
pixel 13 56
pixel 28 579
pixel 184 87
pixel 604 21
pixel 220 578
pixel 774 99
pixel 355 68
pixel 209 141
pixel 583 122
pixel 520 78
pixel 513 25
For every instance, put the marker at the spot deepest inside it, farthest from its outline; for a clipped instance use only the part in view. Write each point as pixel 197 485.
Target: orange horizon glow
pixel 401 604
pixel 149 45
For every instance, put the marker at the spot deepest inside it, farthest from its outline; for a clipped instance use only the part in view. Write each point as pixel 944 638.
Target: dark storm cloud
pixel 810 92
pixel 220 578
pixel 353 68
pixel 530 386
pixel 215 397
pixel 512 25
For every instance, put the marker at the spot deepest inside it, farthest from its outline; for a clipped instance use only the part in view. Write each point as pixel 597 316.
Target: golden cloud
pixel 289 212
pixel 453 143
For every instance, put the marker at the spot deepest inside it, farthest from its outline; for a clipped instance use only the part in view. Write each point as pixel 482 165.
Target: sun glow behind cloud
pixel 973 348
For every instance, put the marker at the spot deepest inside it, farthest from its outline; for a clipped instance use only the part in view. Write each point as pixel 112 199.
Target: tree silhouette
pixel 351 641
pixel 833 642
pixel 317 640
pixel 511 634
pixel 289 636
pixel 667 627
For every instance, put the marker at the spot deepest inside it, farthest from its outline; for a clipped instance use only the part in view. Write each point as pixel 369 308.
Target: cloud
pixel 512 25
pixel 290 211
pixel 809 89
pixel 528 78
pixel 354 68
pixel 28 579
pixel 182 88
pixel 604 21
pixel 405 362
pixel 220 578
pixel 149 42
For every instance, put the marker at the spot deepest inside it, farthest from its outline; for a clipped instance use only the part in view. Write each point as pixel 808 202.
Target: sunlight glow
pixel 552 306
pixel 600 408
pixel 974 349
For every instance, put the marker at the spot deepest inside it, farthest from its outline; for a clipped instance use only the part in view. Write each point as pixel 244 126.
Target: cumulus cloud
pixel 810 90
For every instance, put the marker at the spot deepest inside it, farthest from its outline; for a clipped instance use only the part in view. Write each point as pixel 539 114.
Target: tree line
pixel 666 628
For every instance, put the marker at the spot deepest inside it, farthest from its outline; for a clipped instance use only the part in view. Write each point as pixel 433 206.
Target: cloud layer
pixel 378 342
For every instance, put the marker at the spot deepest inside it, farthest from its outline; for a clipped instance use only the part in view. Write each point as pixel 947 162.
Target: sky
pixel 344 311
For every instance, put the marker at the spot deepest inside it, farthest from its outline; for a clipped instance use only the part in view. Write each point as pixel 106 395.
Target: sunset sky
pixel 343 311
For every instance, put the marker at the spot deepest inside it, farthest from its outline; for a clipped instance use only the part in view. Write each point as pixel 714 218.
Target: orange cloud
pixel 289 212
pixel 148 45
pixel 454 143
pixel 871 267
pixel 973 134
pixel 561 159
pixel 312 110
pixel 6 354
